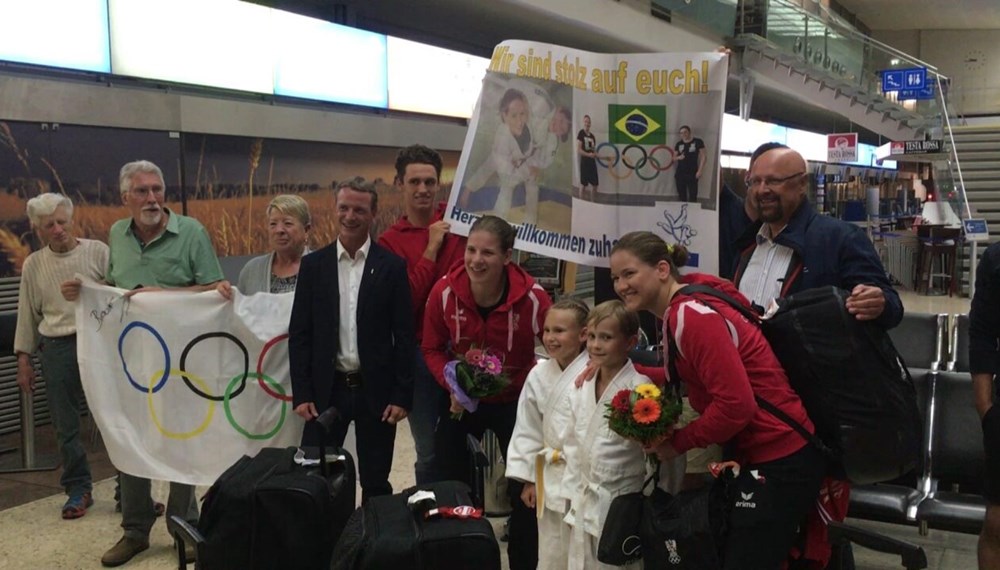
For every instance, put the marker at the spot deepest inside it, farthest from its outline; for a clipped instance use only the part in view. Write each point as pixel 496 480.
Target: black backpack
pixel 852 381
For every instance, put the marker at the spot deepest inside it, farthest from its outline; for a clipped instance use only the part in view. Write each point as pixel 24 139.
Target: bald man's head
pixel 777 185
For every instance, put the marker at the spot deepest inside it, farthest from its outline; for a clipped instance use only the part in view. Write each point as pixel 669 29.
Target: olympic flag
pixel 577 148
pixel 184 384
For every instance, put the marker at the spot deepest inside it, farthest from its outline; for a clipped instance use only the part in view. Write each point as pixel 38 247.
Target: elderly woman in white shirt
pixel 288 223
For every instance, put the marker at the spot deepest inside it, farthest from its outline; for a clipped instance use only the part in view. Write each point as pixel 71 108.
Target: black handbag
pixel 621 542
pixel 680 532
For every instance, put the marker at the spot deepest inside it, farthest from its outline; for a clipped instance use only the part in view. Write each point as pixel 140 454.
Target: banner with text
pixel 184 384
pixel 576 148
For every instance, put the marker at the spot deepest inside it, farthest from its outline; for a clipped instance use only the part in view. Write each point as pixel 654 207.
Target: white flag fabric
pixel 183 384
pixel 577 148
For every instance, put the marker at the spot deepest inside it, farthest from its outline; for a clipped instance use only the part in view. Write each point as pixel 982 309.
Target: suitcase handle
pixel 184 535
pixel 325 422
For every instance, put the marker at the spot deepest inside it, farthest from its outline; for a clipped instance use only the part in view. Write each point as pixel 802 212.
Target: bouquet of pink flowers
pixel 476 374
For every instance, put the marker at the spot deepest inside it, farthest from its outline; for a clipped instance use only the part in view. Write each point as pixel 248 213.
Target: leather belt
pixel 352 379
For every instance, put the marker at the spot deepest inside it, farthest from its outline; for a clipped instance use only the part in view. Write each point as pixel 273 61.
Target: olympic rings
pixel 600 159
pixel 246 363
pixel 199 386
pixel 204 423
pixel 670 151
pixel 260 366
pixel 611 167
pixel 636 166
pixel 236 425
pixel 166 357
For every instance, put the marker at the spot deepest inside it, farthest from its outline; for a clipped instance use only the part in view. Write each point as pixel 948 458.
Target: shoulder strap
pixel 747 312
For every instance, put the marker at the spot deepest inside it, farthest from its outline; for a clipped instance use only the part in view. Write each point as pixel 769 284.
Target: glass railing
pixel 716 15
pixel 830 46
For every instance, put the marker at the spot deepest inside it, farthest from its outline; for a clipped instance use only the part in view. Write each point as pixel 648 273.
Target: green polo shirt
pixel 180 257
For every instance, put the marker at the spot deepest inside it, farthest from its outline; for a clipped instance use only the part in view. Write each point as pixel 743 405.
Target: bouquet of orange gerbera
pixel 645 414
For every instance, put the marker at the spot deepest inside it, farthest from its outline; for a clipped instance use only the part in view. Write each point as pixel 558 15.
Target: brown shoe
pixel 125 550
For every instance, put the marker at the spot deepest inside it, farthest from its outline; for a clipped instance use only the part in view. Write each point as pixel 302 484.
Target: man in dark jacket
pixel 984 362
pixel 350 339
pixel 791 248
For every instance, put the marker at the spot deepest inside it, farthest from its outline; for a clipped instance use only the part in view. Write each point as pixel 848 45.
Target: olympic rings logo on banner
pixel 236 385
pixel 645 164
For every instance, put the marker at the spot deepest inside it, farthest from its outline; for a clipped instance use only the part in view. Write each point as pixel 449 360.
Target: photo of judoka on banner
pixel 576 148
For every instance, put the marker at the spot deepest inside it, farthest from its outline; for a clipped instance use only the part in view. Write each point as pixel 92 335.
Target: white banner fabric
pixel 184 384
pixel 571 192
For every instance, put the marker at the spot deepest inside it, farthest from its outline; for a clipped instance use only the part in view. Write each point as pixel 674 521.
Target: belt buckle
pixel 353 379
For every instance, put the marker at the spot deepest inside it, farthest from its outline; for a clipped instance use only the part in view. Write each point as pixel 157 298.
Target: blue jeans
pixel 65 393
pixel 428 400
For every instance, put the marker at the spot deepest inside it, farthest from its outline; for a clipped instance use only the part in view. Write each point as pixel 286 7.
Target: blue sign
pixel 892 80
pixel 912 78
pixel 976 229
pixel 915 78
pixel 925 93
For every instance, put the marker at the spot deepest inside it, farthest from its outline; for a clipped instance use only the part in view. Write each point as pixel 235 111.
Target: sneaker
pixel 159 508
pixel 125 550
pixel 76 506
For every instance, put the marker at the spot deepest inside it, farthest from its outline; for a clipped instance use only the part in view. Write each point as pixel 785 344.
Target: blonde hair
pixel 291 205
pixel 46 205
pixel 628 321
pixel 579 309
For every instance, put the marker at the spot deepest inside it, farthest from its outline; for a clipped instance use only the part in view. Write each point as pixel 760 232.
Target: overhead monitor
pixel 315 59
pixel 71 34
pixel 433 80
pixel 216 43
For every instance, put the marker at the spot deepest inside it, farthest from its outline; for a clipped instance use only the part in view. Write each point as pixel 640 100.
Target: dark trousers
pixel 375 438
pixel 687 187
pixel 429 399
pixel 453 458
pixel 760 537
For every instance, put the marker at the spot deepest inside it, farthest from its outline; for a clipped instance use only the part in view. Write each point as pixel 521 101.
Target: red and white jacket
pixel 409 242
pixel 724 360
pixel 452 325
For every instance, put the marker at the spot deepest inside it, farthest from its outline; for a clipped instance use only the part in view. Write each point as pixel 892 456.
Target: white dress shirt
pixel 349 274
pixel 765 273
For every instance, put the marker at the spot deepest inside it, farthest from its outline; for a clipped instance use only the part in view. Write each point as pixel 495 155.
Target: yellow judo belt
pixel 543 457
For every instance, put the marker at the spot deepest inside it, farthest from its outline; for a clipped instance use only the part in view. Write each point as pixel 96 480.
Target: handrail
pixel 858 35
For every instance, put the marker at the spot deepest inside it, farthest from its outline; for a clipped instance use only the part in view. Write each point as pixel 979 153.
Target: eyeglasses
pixel 771 182
pixel 143 191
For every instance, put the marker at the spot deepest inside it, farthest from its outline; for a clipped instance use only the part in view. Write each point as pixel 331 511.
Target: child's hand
pixel 528 495
pixel 588 373
pixel 455 408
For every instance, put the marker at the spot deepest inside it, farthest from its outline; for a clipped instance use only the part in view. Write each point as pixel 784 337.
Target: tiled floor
pixel 35 537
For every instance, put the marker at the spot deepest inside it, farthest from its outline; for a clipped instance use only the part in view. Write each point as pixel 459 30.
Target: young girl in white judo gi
pixel 536 454
pixel 602 464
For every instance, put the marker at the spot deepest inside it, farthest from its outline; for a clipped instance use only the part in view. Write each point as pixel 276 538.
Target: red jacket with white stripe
pixel 452 325
pixel 724 361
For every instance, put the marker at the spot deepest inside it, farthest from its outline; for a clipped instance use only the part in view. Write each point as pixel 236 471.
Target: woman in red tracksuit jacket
pixel 487 303
pixel 725 362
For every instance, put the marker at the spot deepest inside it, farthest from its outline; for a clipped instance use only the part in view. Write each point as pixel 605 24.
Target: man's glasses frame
pixel 771 182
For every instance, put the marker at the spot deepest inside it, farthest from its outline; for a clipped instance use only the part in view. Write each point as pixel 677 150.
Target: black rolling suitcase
pixel 385 534
pixel 268 512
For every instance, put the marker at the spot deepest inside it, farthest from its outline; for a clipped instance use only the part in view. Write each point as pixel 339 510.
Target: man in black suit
pixel 351 339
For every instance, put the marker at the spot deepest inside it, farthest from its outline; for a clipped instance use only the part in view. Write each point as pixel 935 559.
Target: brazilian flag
pixel 642 124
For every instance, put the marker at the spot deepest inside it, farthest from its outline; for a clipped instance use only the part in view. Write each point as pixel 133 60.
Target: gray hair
pixel 131 169
pixel 359 184
pixel 46 205
pixel 291 205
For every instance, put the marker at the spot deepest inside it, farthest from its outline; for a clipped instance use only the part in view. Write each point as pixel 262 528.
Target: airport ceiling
pixel 926 14
pixel 475 26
